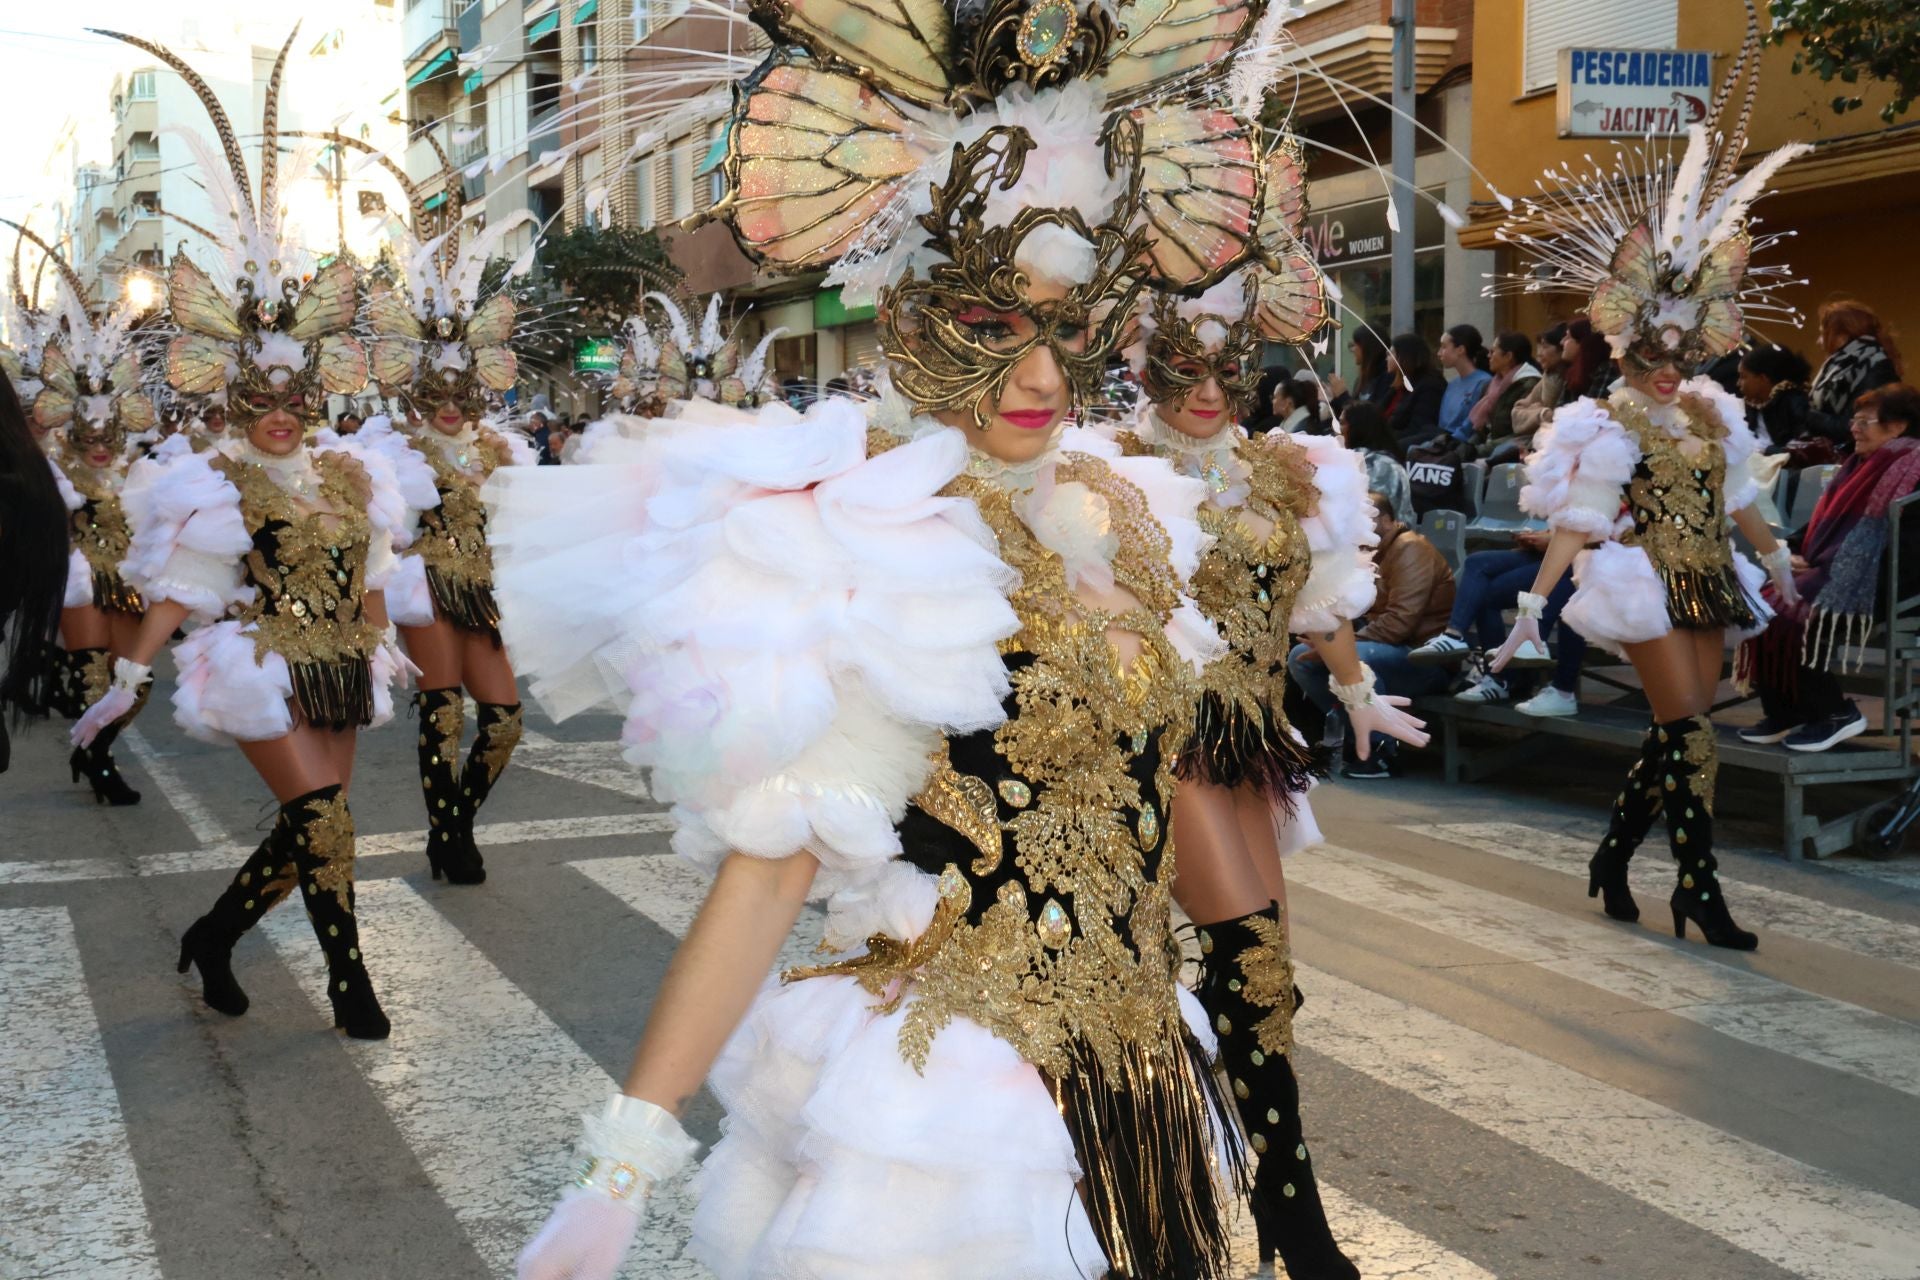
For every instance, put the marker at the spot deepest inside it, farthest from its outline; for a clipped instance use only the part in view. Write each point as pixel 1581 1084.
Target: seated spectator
pixel 1414 595
pixel 1373 381
pixel 1773 383
pixel 1589 362
pixel 1861 356
pixel 1263 412
pixel 1534 408
pixel 1513 378
pixel 1464 354
pixel 1363 429
pixel 1413 410
pixel 1837 571
pixel 553 444
pixel 1490 583
pixel 1298 402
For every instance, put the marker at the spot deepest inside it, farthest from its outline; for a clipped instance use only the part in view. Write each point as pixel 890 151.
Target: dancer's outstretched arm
pixel 1562 547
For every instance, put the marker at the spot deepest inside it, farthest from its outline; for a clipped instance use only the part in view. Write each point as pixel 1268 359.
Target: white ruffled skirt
pixel 839 1162
pixel 226 693
pixel 79 582
pixel 1618 598
pixel 409 600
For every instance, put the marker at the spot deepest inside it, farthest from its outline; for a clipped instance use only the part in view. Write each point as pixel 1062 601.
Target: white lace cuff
pixel 631 1148
pixel 1531 605
pixel 130 675
pixel 1356 695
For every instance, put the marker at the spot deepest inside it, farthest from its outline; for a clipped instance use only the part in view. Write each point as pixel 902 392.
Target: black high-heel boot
pixel 95 760
pixel 443 715
pixel 1634 810
pixel 496 733
pixel 261 883
pixel 323 853
pixel 1690 765
pixel 1246 987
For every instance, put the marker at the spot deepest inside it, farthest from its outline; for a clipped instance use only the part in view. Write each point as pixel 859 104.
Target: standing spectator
pixel 1773 384
pixel 1589 362
pixel 538 428
pixel 1490 584
pixel 1373 381
pixel 1297 403
pixel 1861 356
pixel 1413 412
pixel 1514 378
pixel 1538 404
pixel 1363 427
pixel 1411 604
pixel 1464 354
pixel 1837 571
pixel 552 442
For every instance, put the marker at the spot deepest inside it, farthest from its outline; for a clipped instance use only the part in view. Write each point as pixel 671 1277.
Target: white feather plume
pixel 676 320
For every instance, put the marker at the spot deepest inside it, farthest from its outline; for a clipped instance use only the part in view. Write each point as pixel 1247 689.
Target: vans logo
pixel 1431 473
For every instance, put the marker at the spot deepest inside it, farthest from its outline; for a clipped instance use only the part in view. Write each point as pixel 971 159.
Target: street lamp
pixel 142 292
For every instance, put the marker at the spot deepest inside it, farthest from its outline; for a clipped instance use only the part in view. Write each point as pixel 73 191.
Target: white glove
pixel 1779 566
pixel 1369 713
pixel 1526 628
pixel 402 665
pixel 585 1238
pixel 128 677
pixel 624 1153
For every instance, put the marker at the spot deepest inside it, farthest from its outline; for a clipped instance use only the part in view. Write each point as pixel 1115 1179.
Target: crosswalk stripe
pixel 69 1201
pixel 485 1088
pixel 1745 1006
pixel 1757 906
pixel 669 892
pixel 597 764
pixel 1803 1219
pixel 206 828
pixel 225 857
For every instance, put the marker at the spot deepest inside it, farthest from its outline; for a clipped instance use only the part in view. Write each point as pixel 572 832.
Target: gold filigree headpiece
pixel 1187 346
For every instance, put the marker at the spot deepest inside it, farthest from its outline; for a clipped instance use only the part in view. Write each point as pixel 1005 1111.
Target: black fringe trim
pixel 112 593
pixel 1231 749
pixel 1706 599
pixel 465 603
pixel 334 695
pixel 1147 1146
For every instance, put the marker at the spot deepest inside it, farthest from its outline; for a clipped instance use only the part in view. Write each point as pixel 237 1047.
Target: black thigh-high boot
pixel 322 827
pixel 261 884
pixel 1690 765
pixel 91 672
pixel 443 717
pixel 1246 987
pixel 496 734
pixel 1634 810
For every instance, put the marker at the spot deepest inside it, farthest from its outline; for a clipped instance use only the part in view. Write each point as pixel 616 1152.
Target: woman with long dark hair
pixel 33 568
pixel 1588 361
pixel 1372 380
pixel 1413 409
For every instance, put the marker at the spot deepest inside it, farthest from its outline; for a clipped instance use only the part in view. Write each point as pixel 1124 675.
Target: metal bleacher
pixel 1883 754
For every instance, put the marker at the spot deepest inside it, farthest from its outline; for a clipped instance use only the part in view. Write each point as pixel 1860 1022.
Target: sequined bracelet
pixel 1356 695
pixel 630 1149
pixel 1531 605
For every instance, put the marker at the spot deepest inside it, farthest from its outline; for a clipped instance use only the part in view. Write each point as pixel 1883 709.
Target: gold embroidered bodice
pixel 1049 833
pixel 100 533
pixel 453 536
pixel 308 565
pixel 1678 505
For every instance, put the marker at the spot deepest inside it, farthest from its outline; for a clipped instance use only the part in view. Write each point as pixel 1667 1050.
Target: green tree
pixel 1851 40
pixel 603 271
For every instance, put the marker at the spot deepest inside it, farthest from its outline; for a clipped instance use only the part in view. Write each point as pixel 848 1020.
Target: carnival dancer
pixel 282 552
pixel 446 351
pixel 938 673
pixel 1652 474
pixel 1292 553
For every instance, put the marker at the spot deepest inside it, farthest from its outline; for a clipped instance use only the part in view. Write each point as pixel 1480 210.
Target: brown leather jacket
pixel 1415 593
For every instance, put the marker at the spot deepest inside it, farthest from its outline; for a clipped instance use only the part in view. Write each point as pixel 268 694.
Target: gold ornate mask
pixel 956 338
pixel 451 359
pixel 1180 358
pixel 98 411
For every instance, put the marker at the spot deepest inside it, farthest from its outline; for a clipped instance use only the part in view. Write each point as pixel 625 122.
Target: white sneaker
pixel 1488 689
pixel 1441 651
pixel 1530 654
pixel 1550 702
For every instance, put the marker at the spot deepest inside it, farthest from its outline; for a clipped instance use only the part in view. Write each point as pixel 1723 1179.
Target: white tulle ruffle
pixel 189 536
pixel 79 581
pixel 1579 470
pixel 225 692
pixel 1618 598
pixel 410 476
pixel 69 496
pixel 1340 533
pixel 409 600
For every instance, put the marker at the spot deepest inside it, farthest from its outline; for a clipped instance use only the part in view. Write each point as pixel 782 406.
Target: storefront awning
pixel 585 12
pixel 547 24
pixel 440 63
pixel 473 81
pixel 434 201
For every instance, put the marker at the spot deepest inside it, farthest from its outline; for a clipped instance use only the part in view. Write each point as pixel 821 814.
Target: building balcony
pixel 426 25
pixel 422 162
pixel 1363 58
pixel 469 24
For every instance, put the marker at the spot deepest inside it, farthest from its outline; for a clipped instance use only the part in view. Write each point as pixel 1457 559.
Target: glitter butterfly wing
pixel 1631 283
pixel 1291 304
pixel 137 413
pixel 197 364
pixel 387 315
pixel 902 46
pixel 327 305
pixel 391 361
pixel 732 390
pixel 1169 39
pixel 342 363
pixel 495 367
pixel 1200 191
pixel 492 322
pixel 813 156
pixel 53 407
pixel 197 305
pixel 672 382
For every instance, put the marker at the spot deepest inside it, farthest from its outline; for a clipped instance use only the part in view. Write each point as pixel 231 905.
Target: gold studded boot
pixel 1690 765
pixel 443 718
pixel 1246 987
pixel 260 885
pixel 497 730
pixel 322 828
pixel 1634 811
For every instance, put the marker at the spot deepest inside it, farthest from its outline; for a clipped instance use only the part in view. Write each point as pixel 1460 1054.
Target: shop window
pixel 1553 25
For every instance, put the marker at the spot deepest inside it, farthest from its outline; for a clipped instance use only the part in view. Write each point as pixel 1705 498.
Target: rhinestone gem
pixel 621 1180
pixel 1300 1152
pixel 1139 741
pixel 1273 1115
pixel 1240 1089
pixel 1259 1143
pixel 1687 881
pixel 1015 792
pixel 1258 1058
pixel 1055 925
pixel 952 883
pixel 1045 32
pixel 1224 1025
pixel 1287 1191
pixel 1149 827
pixel 1233 984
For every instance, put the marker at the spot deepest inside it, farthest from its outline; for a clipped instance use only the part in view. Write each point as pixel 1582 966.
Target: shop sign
pixel 1359 232
pixel 596 355
pixel 1614 93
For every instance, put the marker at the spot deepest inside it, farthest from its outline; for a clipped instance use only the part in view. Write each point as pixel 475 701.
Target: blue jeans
pixel 1392 673
pixel 1489 584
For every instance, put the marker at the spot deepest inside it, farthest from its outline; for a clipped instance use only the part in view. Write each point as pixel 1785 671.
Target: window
pixel 714 164
pixel 643 191
pixel 642 20
pixel 1553 25
pixel 143 146
pixel 589 46
pixel 142 88
pixel 663 193
pixel 507 114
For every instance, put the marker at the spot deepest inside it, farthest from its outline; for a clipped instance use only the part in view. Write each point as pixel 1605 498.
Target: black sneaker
pixel 1382 763
pixel 1768 731
pixel 1821 734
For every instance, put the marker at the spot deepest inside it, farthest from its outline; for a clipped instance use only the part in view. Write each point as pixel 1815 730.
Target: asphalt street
pixel 1499 1082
